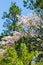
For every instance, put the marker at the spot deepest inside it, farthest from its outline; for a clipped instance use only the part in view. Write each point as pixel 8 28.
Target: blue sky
pixel 4 6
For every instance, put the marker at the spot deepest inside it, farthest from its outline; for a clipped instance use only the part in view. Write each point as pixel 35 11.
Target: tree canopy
pixel 23 47
pixel 36 5
pixel 11 19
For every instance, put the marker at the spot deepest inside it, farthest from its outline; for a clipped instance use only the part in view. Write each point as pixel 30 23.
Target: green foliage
pixel 33 4
pixel 19 62
pixel 11 19
pixel 11 57
pixel 25 48
pixel 40 63
pixel 27 56
pixel 36 5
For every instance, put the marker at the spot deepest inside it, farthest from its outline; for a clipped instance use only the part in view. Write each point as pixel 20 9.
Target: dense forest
pixel 21 42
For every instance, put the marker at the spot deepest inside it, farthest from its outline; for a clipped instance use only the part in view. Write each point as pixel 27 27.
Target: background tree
pixel 11 19
pixel 36 5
